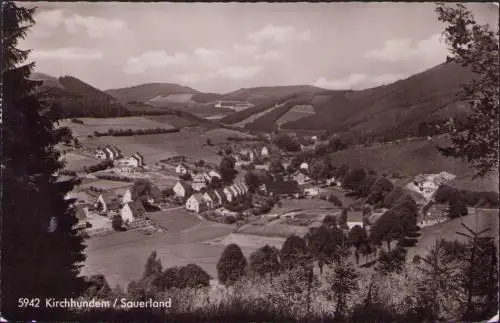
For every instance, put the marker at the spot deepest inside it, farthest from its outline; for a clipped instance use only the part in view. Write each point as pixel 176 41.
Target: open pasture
pixel 103 124
pixel 76 162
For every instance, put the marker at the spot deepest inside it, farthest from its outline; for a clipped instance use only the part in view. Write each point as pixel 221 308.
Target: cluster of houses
pixel 428 184
pixel 114 154
pixel 199 202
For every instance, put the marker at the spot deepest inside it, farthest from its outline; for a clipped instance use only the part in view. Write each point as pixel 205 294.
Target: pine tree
pixel 41 253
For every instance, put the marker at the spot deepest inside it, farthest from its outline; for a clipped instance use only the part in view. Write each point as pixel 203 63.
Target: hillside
pixel 262 93
pixel 427 96
pixel 411 158
pixel 146 92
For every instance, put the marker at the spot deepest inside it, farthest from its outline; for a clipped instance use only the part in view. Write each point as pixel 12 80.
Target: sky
pixel 222 47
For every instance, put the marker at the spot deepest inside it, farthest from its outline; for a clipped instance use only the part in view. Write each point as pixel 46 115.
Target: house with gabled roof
pixel 211 199
pixel 213 173
pixel 182 189
pixel 264 152
pixel 234 190
pixel 108 202
pixel 102 153
pixel 301 178
pixel 220 195
pixel 182 169
pixel 132 211
pixel 230 196
pixel 196 203
pixel 136 160
pixel 113 152
pixel 199 182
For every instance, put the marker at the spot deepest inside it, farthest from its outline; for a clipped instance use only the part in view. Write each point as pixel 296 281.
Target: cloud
pixel 279 34
pixel 211 58
pixel 68 53
pixel 245 49
pixel 239 72
pixel 402 49
pixel 49 21
pixel 159 58
pixel 189 77
pixel 357 79
pixel 271 55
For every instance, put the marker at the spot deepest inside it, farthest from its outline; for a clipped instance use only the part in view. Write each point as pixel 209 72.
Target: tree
pixel 117 222
pixel 294 252
pixel 475 47
pixel 323 243
pixel 357 237
pixel 336 144
pixel 343 219
pixel 354 179
pixel 265 261
pixel 285 142
pixel 391 261
pixel 227 171
pixel 387 229
pixel 330 221
pixel 41 253
pixel 231 265
pixel 342 282
pixel 276 166
pixel 457 206
pixel 252 181
pixel 209 142
pixel 153 266
pixel 98 287
pixel 192 276
pixel 335 200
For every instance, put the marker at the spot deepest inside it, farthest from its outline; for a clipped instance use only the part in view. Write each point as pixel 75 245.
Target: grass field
pixel 76 162
pixel 106 185
pixel 161 146
pixel 295 113
pixel 448 230
pixel 103 124
pixel 255 116
pixel 172 120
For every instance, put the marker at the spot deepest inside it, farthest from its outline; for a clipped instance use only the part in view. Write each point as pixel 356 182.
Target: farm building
pixel 108 202
pixel 213 174
pixel 199 182
pixel 136 160
pixel 289 188
pixel 221 196
pixel 211 199
pixel 196 203
pixel 301 178
pixel 108 152
pixel 182 189
pixel 124 194
pixel 304 166
pixel 181 169
pixel 132 211
pixel 311 191
pixel 264 152
pixel 229 194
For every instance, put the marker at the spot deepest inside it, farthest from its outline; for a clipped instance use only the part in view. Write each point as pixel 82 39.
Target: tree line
pixel 135 132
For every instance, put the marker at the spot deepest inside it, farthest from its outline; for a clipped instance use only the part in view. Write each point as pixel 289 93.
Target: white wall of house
pixel 181 169
pixel 304 166
pixel 131 161
pixel 179 190
pixel 192 204
pixel 126 214
pixel 229 194
pixel 353 224
pixel 100 154
pixel 127 197
pixel 197 186
pixel 104 206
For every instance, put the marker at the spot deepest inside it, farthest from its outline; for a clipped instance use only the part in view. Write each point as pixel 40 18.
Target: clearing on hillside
pixel 90 125
pixel 295 113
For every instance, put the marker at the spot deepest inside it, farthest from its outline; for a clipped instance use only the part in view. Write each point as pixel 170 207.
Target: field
pixel 295 113
pixel 121 257
pixel 76 162
pixel 105 184
pixel 177 98
pixel 103 124
pixel 448 230
pixel 255 116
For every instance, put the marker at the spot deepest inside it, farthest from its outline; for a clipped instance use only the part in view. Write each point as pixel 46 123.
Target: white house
pixel 311 191
pixel 331 181
pixel 353 224
pixel 196 203
pixel 304 165
pixel 207 177
pixel 113 152
pixel 109 202
pixel 199 182
pixel 127 196
pixel 135 160
pixel 221 196
pixel 315 138
pixel 264 152
pixel 211 199
pixel 132 211
pixel 181 169
pixel 234 190
pixel 182 189
pixel 213 174
pixel 102 154
pixel 229 194
pixel 301 178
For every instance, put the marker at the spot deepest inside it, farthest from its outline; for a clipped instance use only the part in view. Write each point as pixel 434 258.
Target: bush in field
pixel 117 222
pixel 185 177
pixel 294 252
pixel 231 265
pixel 335 200
pixel 265 261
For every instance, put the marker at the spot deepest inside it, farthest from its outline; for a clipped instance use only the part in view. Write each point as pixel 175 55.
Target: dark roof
pixel 184 184
pixel 198 197
pixel 212 195
pixel 137 208
pixel 221 193
pixel 284 187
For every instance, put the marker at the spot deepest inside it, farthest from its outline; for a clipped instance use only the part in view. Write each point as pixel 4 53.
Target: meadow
pixel 76 161
pixel 90 125
pixel 295 113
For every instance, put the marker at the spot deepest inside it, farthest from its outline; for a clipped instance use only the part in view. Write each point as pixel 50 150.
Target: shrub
pixel 231 265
